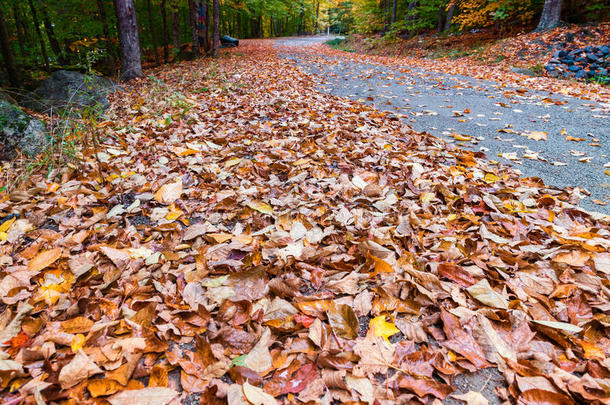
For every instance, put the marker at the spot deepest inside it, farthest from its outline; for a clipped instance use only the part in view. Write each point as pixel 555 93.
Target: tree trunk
pixel 101 9
pixel 216 36
pixel 43 48
pixel 7 54
pixel 449 16
pixel 439 23
pixel 51 33
pixel 206 38
pixel 19 26
pixel 394 8
pixel 165 31
pixel 551 13
pixel 153 34
pixel 315 29
pixel 410 16
pixel 300 31
pixel 193 12
pixel 176 28
pixel 131 65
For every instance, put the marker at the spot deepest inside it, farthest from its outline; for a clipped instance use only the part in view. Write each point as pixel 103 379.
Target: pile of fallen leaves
pixel 240 238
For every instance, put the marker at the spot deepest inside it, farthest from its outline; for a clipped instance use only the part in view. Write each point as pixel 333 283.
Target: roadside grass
pixel 339 44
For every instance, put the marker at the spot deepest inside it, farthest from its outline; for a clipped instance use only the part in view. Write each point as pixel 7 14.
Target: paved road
pixel 472 112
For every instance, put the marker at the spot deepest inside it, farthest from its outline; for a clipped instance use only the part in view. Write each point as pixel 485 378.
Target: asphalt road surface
pixel 481 115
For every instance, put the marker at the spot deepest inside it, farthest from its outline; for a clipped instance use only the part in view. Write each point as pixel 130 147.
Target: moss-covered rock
pixel 19 130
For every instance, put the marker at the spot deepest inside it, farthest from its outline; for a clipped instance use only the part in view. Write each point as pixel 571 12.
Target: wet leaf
pixel 343 320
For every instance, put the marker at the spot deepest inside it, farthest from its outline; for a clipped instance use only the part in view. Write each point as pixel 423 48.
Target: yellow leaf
pixel 44 259
pixel 174 213
pixel 233 162
pixel 170 192
pixel 260 206
pixel 592 351
pixel 77 342
pixel 536 135
pixel 491 178
pixel 426 197
pixel 7 224
pixel 459 137
pixel 383 329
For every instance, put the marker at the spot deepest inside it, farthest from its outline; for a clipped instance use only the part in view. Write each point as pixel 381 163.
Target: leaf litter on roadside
pixel 269 243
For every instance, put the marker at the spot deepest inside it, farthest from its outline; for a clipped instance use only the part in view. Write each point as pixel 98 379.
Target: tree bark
pixel 439 23
pixel 131 65
pixel 51 33
pixel 193 13
pixel 551 13
pixel 43 48
pixel 165 31
pixel 216 36
pixel 153 35
pixel 301 15
pixel 394 8
pixel 19 26
pixel 105 28
pixel 315 29
pixel 176 29
pixel 449 16
pixel 206 38
pixel 14 76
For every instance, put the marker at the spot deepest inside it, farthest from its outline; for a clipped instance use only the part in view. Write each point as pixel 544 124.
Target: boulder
pixel 580 74
pixel 527 72
pixel 70 91
pixel 574 68
pixel 604 49
pixel 19 130
pixel 6 97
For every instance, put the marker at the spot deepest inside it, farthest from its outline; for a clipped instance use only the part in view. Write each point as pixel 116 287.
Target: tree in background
pixel 551 14
pixel 131 66
pixel 216 36
pixel 7 54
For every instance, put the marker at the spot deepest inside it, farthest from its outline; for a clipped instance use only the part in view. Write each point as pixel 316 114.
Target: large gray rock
pixel 4 96
pixel 19 130
pixel 66 91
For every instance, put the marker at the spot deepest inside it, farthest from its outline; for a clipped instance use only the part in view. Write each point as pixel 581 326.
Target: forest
pixel 40 36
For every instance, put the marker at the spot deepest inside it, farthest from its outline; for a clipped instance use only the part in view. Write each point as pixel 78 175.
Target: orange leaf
pixel 44 259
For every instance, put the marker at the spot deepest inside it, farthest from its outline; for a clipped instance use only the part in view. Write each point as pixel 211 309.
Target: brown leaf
pixel 423 387
pixel 44 259
pixel 80 368
pixel 169 193
pixel 144 396
pixel 343 320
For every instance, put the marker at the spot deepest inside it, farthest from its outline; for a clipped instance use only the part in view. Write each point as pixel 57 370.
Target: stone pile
pixel 591 62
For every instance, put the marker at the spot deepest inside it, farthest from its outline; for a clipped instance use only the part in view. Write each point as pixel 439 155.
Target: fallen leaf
pixel 44 259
